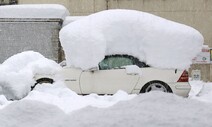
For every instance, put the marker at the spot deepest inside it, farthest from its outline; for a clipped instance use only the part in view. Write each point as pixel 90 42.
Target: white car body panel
pixel 110 81
pixel 107 81
pixel 122 72
pixel 152 74
pixel 71 76
pixel 167 76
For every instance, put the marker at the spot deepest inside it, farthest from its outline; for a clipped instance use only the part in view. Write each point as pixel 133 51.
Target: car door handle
pixel 68 80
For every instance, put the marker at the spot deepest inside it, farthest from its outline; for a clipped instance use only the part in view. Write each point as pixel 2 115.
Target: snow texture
pixel 28 113
pixel 34 11
pixel 67 100
pixel 154 109
pixel 3 101
pixel 17 72
pixel 201 91
pixel 206 92
pixel 196 87
pixel 70 19
pixel 158 42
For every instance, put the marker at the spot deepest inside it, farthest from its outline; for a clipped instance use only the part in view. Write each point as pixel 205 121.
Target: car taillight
pixel 183 77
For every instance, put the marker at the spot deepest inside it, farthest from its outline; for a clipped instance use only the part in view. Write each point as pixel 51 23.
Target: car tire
pixel 156 86
pixel 42 80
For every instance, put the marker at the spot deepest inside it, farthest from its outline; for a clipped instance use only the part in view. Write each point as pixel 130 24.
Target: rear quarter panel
pixel 167 76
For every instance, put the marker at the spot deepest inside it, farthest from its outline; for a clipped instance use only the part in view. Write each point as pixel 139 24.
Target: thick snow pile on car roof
pixel 34 11
pixel 154 40
pixel 17 72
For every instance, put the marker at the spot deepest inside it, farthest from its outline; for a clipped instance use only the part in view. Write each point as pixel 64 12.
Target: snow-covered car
pixel 122 72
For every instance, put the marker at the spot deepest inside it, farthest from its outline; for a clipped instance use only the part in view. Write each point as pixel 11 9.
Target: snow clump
pixel 34 11
pixel 17 72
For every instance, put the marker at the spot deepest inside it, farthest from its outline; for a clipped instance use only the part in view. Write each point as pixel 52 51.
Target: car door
pixel 110 78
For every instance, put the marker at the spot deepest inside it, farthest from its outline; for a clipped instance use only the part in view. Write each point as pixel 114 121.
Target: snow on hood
pixel 154 40
pixel 34 11
pixel 17 72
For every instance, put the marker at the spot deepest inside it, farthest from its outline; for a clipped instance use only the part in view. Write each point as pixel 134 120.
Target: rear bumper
pixel 181 88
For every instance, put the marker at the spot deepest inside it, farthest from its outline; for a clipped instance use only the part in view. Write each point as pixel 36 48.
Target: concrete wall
pixel 195 13
pixel 6 2
pixel 41 35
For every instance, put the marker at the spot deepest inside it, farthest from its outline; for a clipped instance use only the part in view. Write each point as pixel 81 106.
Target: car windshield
pixel 118 61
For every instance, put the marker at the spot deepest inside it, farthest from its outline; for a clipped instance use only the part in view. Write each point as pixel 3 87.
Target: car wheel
pixel 156 86
pixel 42 80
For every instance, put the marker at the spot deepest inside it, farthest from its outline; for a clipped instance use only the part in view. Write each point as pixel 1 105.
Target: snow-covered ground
pixel 55 106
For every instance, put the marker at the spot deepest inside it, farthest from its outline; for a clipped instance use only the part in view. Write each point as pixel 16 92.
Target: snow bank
pixel 155 109
pixel 152 109
pixel 28 114
pixel 42 108
pixel 203 91
pixel 61 96
pixel 196 87
pixel 17 72
pixel 154 40
pixel 3 101
pixel 34 11
pixel 206 93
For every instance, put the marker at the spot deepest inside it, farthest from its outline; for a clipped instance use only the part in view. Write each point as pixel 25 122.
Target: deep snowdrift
pixel 34 11
pixel 149 110
pixel 67 100
pixel 28 113
pixel 155 109
pixel 17 72
pixel 157 41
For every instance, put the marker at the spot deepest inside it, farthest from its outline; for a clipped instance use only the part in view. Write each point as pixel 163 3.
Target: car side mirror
pixel 94 69
pixel 133 70
pixel 63 63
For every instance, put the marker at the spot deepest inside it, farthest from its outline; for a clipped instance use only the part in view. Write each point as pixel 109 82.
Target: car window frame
pixel 134 60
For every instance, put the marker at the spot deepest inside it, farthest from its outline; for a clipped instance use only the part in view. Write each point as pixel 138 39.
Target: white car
pixel 122 72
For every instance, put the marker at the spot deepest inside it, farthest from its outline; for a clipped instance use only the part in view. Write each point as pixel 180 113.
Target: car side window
pixel 118 61
pixel 115 62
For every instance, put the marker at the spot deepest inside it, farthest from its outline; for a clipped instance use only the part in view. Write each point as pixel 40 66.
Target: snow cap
pixel 34 11
pixel 158 42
